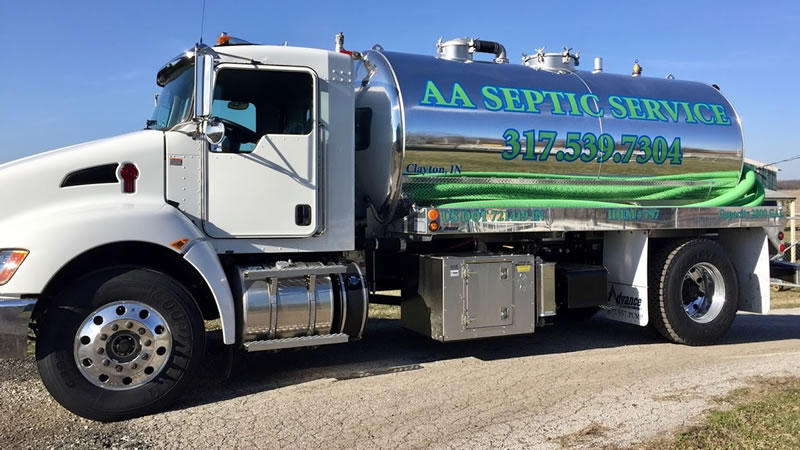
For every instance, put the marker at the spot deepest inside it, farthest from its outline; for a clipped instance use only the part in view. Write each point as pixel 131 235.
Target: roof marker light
pixel 223 39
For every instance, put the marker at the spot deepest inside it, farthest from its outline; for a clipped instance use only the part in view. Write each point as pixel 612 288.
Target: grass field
pixel 763 416
pixel 789 298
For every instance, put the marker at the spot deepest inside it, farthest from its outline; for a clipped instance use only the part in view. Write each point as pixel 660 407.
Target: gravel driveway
pixel 573 385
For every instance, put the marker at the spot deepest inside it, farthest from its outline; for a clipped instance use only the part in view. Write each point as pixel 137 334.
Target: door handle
pixel 322 178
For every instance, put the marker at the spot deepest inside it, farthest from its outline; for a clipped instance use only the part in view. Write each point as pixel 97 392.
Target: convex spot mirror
pixel 213 131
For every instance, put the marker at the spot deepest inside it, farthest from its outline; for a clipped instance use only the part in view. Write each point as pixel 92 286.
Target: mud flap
pixel 748 250
pixel 625 257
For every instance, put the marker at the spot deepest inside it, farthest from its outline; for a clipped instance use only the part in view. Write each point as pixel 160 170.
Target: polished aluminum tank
pixel 421 115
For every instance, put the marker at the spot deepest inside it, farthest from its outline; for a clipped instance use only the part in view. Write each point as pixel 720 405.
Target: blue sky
pixel 82 70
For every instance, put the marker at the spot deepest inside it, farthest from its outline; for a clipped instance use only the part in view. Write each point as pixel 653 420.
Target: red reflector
pixel 782 248
pixel 129 174
pixel 780 235
pixel 346 52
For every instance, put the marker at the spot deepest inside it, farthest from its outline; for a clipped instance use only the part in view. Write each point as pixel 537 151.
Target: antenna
pixel 202 21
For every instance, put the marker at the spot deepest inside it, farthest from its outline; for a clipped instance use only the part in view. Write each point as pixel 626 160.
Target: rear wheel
pixel 693 292
pixel 119 343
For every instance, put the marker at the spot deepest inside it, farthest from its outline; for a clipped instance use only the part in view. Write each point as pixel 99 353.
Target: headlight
pixel 10 260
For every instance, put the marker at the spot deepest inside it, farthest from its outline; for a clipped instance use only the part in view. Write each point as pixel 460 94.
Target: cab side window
pixel 254 103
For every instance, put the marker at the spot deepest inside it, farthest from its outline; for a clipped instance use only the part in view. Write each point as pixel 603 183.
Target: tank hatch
pixel 564 61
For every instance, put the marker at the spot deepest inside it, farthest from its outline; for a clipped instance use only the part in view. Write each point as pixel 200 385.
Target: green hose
pixel 720 188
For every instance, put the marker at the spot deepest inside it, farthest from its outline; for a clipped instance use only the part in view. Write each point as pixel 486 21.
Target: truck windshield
pixel 174 101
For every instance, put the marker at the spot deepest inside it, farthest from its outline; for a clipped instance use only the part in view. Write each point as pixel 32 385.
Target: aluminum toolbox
pixel 467 297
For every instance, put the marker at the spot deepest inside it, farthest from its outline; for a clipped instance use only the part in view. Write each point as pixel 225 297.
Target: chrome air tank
pixel 420 115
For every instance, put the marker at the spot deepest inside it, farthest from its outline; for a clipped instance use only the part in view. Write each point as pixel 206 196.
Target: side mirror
pixel 213 131
pixel 203 84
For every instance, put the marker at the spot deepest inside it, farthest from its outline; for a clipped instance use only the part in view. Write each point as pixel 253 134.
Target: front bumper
pixel 15 315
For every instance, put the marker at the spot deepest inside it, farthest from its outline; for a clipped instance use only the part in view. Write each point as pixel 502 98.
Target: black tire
pixel 666 292
pixel 57 342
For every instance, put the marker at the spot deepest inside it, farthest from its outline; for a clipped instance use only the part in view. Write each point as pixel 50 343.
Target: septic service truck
pixel 282 189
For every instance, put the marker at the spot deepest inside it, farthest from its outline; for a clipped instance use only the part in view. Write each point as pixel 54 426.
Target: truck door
pixel 263 180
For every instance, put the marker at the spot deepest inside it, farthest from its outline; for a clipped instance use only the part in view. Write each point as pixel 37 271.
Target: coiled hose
pixel 719 188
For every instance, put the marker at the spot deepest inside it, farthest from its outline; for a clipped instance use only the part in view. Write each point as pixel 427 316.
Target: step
pixel 296 342
pixel 294 270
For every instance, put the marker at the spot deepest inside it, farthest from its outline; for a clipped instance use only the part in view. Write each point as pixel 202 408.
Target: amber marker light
pixel 223 39
pixel 10 260
pixel 433 214
pixel 433 226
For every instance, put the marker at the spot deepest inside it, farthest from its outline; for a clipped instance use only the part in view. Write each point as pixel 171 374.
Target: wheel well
pixel 135 253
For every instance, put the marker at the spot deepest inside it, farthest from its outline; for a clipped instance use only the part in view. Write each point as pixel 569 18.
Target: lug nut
pixel 100 351
pixel 114 327
pixel 103 337
pixel 106 362
pixel 129 325
pixel 141 331
pixel 145 356
pixel 119 368
pixel 134 366
pixel 147 343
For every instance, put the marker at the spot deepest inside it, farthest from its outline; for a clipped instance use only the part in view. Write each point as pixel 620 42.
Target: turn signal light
pixel 433 214
pixel 780 235
pixel 433 226
pixel 10 260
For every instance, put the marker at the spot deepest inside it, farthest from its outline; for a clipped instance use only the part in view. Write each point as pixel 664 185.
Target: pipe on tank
pixel 598 65
pixel 493 47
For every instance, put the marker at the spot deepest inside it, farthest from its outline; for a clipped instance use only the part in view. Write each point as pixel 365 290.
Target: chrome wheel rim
pixel 703 292
pixel 122 345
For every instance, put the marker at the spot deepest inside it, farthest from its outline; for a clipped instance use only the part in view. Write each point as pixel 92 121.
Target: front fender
pixel 55 235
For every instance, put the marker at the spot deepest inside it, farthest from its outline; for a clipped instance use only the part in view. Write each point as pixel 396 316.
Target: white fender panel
pixel 204 258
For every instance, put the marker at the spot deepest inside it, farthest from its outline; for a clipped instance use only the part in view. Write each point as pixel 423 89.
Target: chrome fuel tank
pixel 421 115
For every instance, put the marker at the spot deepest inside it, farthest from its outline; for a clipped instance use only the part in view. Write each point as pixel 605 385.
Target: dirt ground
pixel 593 384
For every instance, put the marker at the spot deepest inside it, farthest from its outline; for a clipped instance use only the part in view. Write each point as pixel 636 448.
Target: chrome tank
pixel 288 300
pixel 298 308
pixel 412 131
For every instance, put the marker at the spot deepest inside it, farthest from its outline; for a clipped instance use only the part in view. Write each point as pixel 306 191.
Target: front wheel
pixel 693 292
pixel 119 343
